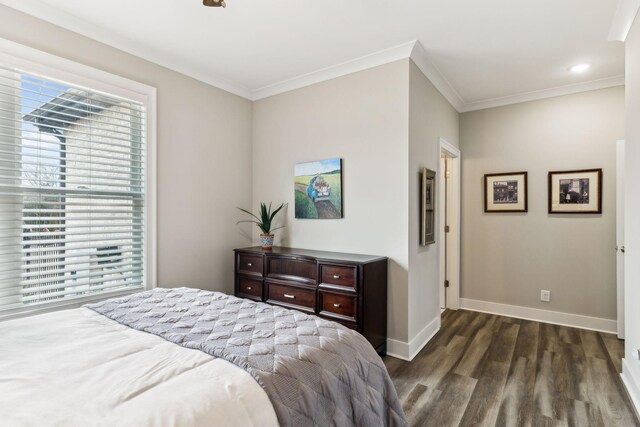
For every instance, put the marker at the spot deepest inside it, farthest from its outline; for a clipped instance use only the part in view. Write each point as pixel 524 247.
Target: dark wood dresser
pixel 347 288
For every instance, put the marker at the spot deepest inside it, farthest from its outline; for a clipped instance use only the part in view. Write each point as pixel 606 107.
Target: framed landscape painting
pixel 578 191
pixel 318 189
pixel 505 192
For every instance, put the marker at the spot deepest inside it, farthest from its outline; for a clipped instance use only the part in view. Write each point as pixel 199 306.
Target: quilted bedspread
pixel 316 372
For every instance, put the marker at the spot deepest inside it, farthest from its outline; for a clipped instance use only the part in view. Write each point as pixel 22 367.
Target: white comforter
pixel 78 368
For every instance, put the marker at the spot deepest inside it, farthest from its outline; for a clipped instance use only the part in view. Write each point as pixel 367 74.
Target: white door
pixel 620 233
pixel 449 225
pixel 442 191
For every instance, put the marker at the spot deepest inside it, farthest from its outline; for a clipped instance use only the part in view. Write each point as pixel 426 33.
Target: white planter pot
pixel 266 241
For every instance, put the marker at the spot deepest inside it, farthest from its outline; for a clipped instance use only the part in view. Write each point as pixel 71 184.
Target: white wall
pixel 208 166
pixel 508 258
pixel 218 152
pixel 385 123
pixel 362 118
pixel 204 154
pixel 631 365
pixel 430 117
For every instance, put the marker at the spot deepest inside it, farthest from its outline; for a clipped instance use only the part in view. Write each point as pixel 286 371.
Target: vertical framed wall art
pixel 318 189
pixel 427 207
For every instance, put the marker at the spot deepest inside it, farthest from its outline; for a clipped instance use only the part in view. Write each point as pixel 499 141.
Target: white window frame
pixel 36 62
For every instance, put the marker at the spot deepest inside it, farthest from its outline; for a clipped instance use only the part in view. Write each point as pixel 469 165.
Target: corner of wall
pixel 630 376
pixel 431 117
pixel 408 350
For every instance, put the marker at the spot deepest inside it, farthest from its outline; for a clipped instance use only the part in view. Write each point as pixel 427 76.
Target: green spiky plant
pixel 265 219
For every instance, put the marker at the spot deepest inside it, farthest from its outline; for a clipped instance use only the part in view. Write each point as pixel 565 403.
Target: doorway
pixel 449 224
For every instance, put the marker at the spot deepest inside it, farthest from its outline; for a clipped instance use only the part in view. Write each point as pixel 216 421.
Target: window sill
pixel 67 305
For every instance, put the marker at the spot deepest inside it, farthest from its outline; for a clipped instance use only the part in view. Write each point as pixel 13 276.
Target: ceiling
pixel 484 51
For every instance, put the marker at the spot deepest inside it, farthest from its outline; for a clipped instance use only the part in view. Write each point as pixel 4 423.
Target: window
pixel 73 190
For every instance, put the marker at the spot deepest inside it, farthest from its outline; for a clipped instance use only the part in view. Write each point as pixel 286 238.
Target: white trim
pixel 151 193
pixel 421 59
pixel 424 336
pixel 398 349
pixel 454 291
pixel 39 62
pixel 55 16
pixel 65 305
pixel 626 13
pixel 50 66
pixel 538 315
pixel 620 203
pixel 545 93
pixel 631 383
pixel 407 351
pixel 68 21
pixel 440 193
pixel 412 49
pixel 366 62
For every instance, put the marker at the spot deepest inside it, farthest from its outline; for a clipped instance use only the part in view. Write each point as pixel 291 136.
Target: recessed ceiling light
pixel 579 68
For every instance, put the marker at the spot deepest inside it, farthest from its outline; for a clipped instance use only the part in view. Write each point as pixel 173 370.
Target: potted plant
pixel 264 221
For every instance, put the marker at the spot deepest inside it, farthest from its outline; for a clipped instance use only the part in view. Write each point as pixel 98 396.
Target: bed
pixel 186 357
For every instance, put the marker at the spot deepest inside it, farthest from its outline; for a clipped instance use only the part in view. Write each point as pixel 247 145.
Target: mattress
pixel 79 368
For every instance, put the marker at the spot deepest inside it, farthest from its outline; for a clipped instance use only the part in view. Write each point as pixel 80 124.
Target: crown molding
pixel 413 50
pixel 627 9
pixel 625 15
pixel 55 16
pixel 420 57
pixel 382 57
pixel 545 93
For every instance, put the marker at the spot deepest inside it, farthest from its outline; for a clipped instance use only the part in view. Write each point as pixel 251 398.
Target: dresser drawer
pixel 289 268
pixel 249 263
pixel 349 289
pixel 250 288
pixel 338 305
pixel 292 296
pixel 338 275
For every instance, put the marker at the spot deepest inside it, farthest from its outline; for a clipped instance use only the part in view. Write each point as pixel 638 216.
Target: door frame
pixel 620 172
pixel 454 213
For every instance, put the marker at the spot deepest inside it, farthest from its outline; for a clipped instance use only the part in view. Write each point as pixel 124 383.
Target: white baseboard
pixel 398 349
pixel 407 351
pixel 631 382
pixel 544 316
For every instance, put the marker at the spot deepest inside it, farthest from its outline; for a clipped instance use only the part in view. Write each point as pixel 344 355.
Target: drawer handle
pixel 249 288
pixel 290 296
pixel 335 276
pixel 249 264
pixel 337 305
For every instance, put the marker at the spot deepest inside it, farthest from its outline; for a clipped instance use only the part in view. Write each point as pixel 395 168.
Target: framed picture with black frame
pixel 575 192
pixel 506 192
pixel 427 207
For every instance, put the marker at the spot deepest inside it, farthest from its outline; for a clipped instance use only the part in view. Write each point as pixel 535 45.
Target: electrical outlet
pixel 545 296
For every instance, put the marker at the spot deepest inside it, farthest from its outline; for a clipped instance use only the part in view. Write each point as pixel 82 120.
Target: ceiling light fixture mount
pixel 214 3
pixel 579 68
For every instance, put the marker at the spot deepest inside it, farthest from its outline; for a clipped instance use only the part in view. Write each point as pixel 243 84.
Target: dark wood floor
pixel 486 370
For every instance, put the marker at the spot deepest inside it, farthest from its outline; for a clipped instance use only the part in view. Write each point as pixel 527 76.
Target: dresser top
pixel 320 255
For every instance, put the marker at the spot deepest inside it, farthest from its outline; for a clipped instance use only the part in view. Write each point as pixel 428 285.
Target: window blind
pixel 72 192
